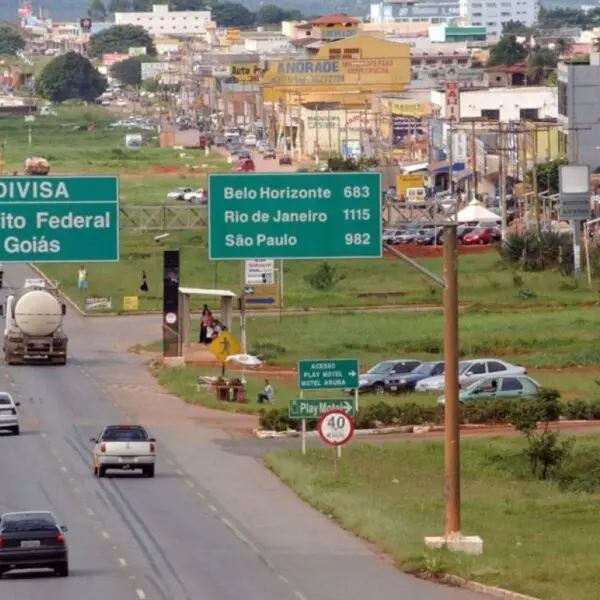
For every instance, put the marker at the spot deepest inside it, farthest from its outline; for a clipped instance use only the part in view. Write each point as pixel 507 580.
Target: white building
pixel 161 21
pixel 493 14
pixel 414 11
pixel 503 104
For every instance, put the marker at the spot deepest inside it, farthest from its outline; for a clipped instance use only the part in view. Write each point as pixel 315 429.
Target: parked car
pixel 408 236
pixel 244 165
pixel 503 387
pixel 285 160
pixel 389 235
pixel 406 382
pixel 470 371
pixel 482 235
pixel 179 193
pixel 261 145
pixel 269 153
pixel 235 149
pixel 429 237
pixel 374 379
pixel 250 140
pixel 462 231
pixel 199 196
pixel 243 154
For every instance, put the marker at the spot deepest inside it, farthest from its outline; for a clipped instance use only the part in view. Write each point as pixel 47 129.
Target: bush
pixel 537 252
pixel 523 414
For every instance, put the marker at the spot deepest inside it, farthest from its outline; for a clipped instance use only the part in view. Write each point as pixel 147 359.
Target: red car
pixel 244 165
pixel 482 235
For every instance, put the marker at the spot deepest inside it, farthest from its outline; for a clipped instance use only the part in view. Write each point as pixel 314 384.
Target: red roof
pixel 519 68
pixel 335 20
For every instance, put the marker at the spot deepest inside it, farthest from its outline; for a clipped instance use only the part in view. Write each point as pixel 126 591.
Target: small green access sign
pixel 313 408
pixel 328 374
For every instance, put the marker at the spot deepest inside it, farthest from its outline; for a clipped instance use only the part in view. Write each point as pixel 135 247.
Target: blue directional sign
pixel 265 294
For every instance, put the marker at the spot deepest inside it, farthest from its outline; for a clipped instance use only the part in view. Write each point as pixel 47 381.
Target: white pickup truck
pixel 124 447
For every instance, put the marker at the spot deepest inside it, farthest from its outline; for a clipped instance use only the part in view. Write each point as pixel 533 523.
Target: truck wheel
pixel 63 569
pixel 15 430
pixel 101 472
pixel 149 471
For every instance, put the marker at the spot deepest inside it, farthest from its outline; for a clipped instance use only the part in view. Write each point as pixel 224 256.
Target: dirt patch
pixel 382 295
pixel 414 251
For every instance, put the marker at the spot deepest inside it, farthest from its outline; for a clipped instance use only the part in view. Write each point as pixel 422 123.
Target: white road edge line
pixel 123 562
pixel 212 507
pixel 284 579
pixel 201 495
pixel 140 594
pixel 299 595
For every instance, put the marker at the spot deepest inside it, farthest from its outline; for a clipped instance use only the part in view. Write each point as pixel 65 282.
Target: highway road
pixel 212 525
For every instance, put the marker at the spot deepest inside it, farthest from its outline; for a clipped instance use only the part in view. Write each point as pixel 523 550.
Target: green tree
pixel 507 52
pixel 547 175
pixel 70 76
pixel 142 5
pixel 97 11
pixel 516 28
pixel 231 14
pixel 119 6
pixel 11 41
pixel 540 63
pixel 186 4
pixel 270 14
pixel 129 71
pixel 119 39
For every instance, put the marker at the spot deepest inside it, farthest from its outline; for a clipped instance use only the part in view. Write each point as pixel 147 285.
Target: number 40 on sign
pixel 335 427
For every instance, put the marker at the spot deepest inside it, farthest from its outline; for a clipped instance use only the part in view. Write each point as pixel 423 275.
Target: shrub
pixel 531 251
pixel 325 277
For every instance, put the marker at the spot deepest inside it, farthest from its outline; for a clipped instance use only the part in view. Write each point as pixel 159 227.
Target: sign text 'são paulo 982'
pixel 294 215
pixel 59 219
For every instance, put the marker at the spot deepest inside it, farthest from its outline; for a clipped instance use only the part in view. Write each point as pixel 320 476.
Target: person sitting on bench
pixel 266 396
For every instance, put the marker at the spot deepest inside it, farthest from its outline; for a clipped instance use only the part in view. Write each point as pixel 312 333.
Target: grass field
pixel 366 282
pixel 537 540
pixel 90 151
pixel 182 383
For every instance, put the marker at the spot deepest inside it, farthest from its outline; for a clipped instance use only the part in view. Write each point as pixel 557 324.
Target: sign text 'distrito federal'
pixel 294 215
pixel 59 219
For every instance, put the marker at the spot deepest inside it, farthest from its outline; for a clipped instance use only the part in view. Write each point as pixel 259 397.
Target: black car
pixel 33 540
pixel 406 382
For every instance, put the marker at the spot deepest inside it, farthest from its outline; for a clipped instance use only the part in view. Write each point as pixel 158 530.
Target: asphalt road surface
pixel 212 525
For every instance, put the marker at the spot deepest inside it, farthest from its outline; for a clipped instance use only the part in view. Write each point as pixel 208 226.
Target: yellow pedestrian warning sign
pixel 131 303
pixel 224 345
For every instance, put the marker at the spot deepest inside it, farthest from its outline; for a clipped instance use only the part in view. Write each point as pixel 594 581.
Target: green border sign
pixel 294 216
pixel 59 219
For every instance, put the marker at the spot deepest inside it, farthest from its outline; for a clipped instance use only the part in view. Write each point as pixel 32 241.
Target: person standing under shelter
pixel 266 396
pixel 205 323
pixel 82 278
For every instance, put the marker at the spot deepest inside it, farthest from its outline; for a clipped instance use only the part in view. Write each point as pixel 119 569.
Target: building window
pixel 562 99
pixel 529 114
pixel 490 114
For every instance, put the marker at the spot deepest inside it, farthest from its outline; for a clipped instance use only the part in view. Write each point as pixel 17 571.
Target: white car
pixel 198 196
pixel 470 371
pixel 250 140
pixel 9 415
pixel 124 447
pixel 179 193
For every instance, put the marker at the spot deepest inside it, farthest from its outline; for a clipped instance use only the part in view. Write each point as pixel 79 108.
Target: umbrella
pixel 246 360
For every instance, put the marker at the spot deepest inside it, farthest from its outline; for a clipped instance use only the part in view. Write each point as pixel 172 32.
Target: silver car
pixel 470 371
pixel 9 415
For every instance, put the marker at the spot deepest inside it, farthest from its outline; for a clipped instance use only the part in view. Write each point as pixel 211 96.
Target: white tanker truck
pixel 33 324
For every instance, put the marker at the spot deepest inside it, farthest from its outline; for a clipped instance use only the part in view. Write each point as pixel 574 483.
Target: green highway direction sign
pixel 313 409
pixel 59 219
pixel 294 215
pixel 328 374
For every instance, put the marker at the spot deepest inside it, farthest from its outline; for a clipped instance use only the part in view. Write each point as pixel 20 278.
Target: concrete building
pixel 503 104
pixel 435 66
pixel 411 11
pixel 493 14
pixel 160 21
pixel 579 111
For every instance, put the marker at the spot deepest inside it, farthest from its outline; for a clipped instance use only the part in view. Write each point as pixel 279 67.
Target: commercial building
pixel 160 21
pixel 579 110
pixel 502 104
pixel 410 11
pixel 493 14
pixel 433 67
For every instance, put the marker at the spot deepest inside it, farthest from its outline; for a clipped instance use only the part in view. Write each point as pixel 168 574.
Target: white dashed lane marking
pixel 105 535
pixel 140 594
pixel 123 562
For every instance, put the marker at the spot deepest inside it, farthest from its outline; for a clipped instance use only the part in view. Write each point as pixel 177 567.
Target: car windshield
pixel 124 434
pixel 463 365
pixel 425 369
pixel 383 367
pixel 34 522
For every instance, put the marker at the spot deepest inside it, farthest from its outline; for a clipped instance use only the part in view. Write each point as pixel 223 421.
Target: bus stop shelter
pixel 226 299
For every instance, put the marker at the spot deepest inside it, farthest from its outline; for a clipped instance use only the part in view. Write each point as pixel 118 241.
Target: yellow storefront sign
pixel 361 62
pixel 131 303
pixel 246 73
pixel 404 107
pixel 406 182
pixel 224 345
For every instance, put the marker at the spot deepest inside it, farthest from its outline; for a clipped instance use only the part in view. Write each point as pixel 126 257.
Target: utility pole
pixel 534 178
pixel 502 179
pixel 475 178
pixel 453 197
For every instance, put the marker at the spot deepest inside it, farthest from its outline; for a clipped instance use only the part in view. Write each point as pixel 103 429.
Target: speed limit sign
pixel 335 427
